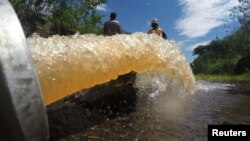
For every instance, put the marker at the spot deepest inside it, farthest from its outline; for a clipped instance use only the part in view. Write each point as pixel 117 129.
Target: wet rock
pixel 87 108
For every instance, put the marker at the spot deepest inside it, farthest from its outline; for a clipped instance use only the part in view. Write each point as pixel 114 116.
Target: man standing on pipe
pixel 112 26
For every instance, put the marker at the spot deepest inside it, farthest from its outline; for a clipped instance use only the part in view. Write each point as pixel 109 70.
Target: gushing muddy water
pixel 68 64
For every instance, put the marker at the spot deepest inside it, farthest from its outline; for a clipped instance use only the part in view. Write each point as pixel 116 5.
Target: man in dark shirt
pixel 112 26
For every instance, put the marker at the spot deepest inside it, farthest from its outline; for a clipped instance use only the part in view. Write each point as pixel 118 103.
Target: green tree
pixel 221 55
pixel 30 13
pixel 70 17
pixel 63 17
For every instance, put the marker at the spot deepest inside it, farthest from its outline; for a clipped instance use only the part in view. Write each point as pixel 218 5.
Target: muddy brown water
pixel 66 64
pixel 163 118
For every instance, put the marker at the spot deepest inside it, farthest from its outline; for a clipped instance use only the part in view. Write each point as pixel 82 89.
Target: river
pixel 162 118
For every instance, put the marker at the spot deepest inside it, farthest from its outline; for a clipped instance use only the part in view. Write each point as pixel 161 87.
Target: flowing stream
pixel 167 117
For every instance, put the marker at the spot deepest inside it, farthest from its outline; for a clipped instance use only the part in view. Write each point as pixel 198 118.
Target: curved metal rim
pixel 21 101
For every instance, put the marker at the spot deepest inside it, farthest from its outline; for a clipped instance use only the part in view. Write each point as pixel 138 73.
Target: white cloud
pixel 102 7
pixel 201 16
pixel 183 43
pixel 190 44
pixel 195 45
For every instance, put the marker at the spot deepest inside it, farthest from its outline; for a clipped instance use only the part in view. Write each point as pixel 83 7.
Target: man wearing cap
pixel 112 26
pixel 156 30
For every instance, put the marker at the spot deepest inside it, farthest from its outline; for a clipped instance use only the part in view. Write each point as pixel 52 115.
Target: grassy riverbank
pixel 223 77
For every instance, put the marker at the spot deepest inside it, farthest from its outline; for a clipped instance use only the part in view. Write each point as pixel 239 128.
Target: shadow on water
pixel 239 88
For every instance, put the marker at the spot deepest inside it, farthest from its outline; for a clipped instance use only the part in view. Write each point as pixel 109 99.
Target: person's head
pixel 113 16
pixel 154 23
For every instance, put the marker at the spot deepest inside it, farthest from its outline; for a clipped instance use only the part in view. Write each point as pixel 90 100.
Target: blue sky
pixel 188 22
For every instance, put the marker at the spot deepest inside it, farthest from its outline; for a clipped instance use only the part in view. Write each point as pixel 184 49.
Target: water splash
pixel 70 63
pixel 208 86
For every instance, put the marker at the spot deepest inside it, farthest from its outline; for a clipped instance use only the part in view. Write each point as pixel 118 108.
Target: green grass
pixel 223 78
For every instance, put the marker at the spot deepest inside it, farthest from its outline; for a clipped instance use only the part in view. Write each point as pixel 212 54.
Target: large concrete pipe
pixel 22 113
